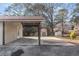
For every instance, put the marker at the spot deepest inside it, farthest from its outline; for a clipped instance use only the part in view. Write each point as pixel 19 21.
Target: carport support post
pixel 39 40
pixel 3 33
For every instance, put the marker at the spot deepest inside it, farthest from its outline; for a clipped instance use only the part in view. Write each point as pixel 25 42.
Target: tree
pixel 61 17
pixel 50 13
pixel 18 9
pixel 75 15
pixel 45 10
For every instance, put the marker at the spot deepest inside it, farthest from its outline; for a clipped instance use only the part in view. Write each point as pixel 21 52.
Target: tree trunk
pixel 53 34
pixel 62 29
pixel 48 32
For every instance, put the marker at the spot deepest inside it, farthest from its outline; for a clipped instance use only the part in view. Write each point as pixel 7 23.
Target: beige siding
pixel 19 30
pixel 11 31
pixel 1 33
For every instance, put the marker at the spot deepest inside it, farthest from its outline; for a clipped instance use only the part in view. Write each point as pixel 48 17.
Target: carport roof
pixel 21 18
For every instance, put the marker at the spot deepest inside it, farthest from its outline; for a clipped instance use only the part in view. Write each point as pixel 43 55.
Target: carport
pixel 11 27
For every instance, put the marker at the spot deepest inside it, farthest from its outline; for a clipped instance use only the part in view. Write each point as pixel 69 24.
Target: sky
pixel 3 6
pixel 70 7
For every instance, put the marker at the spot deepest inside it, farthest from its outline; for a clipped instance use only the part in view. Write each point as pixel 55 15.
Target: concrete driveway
pixel 44 41
pixel 48 48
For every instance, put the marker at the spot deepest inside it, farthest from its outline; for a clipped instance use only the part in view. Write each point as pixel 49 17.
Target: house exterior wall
pixel 19 30
pixel 11 31
pixel 43 32
pixel 1 33
pixel 13 28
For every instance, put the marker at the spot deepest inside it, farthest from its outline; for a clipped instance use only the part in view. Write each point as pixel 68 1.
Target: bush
pixel 73 34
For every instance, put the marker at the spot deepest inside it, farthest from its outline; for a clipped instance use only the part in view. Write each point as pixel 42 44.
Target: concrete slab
pixel 55 48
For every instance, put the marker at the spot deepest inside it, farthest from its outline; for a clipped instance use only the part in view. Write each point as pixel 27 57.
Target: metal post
pixel 3 33
pixel 39 40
